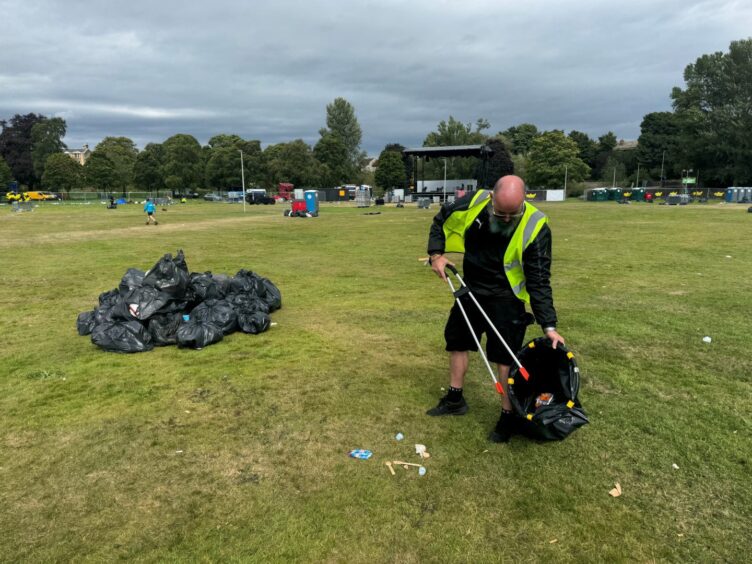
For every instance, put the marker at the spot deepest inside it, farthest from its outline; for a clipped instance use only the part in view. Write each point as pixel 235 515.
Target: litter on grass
pixel 399 436
pixel 675 466
pixel 615 492
pixel 707 340
pixel 361 454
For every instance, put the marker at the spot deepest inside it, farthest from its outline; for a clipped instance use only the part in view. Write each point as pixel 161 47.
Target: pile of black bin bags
pixel 167 305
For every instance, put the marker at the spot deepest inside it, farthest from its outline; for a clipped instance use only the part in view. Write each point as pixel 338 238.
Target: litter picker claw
pixel 458 293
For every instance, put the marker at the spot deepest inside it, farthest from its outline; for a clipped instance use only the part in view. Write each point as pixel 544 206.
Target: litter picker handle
pixel 452 269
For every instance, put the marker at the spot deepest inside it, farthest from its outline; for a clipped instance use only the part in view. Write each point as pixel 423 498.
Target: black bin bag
pixel 219 312
pixel 547 403
pixel 169 275
pixel 195 334
pixel 163 328
pixel 254 322
pixel 122 336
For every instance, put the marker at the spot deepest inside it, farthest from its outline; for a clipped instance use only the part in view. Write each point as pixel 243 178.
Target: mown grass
pixel 239 451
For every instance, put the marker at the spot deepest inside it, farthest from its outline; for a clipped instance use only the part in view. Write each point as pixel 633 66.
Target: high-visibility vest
pixel 531 222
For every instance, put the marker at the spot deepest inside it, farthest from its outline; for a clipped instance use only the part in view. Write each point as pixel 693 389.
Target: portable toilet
pixel 312 201
pixel 638 194
pixel 614 194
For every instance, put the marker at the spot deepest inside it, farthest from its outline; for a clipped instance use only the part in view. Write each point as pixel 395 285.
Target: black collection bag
pixel 122 336
pixel 552 371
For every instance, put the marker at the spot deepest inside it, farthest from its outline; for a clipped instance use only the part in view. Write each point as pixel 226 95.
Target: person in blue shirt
pixel 150 208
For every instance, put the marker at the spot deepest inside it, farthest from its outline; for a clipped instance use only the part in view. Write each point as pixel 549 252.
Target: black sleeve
pixel 536 261
pixel 436 237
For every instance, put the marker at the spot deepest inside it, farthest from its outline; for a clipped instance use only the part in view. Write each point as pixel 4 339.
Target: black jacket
pixel 483 264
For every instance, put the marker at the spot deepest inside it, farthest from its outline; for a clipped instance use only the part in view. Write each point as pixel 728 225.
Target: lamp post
pixel 242 177
pixel 445 166
pixel 663 159
pixel 565 182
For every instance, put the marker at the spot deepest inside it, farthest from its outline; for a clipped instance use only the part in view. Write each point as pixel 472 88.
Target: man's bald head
pixel 509 194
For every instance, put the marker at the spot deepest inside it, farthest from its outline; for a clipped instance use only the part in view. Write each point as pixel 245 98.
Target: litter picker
pixel 458 293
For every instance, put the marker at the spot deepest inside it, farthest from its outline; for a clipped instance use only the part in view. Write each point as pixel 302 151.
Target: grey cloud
pixel 267 70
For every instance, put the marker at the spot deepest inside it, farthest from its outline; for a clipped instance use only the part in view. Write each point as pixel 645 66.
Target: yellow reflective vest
pixel 527 230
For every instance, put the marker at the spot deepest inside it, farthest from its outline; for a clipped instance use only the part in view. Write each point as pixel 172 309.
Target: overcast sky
pixel 266 70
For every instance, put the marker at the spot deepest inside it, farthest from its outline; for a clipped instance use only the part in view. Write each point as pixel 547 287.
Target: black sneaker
pixel 504 428
pixel 447 407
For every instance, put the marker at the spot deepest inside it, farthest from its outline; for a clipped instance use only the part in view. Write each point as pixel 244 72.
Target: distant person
pixel 507 263
pixel 150 208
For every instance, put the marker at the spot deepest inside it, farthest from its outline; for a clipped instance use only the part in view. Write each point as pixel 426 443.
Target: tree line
pixel 32 153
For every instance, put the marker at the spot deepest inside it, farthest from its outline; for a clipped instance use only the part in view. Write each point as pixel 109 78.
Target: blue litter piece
pixel 361 454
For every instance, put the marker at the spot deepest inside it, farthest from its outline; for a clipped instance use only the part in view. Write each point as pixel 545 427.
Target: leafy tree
pixel 521 137
pixel 61 173
pixel 293 162
pixel 15 146
pixel 183 164
pixel 587 148
pixel 331 152
pixel 550 154
pixel 6 176
pixel 223 162
pixel 46 139
pixel 449 133
pixel 100 172
pixel 342 123
pixel 147 170
pixel 657 144
pixel 225 140
pixel 614 171
pixel 715 115
pixel 500 164
pixel 454 132
pixel 607 142
pixel 390 172
pixel 406 159
pixel 122 153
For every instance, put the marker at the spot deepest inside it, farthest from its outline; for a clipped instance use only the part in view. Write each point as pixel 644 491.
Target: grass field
pixel 238 452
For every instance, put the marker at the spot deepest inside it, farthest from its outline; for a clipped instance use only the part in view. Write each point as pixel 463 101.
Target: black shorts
pixel 508 316
pixel 151 214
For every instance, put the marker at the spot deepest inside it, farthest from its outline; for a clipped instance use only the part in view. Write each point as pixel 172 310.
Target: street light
pixel 242 177
pixel 445 180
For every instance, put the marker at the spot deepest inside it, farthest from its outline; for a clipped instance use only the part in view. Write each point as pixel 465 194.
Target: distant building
pixel 623 145
pixel 372 164
pixel 79 155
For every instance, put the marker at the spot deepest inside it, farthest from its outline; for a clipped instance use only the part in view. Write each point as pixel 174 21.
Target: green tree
pixel 657 144
pixel 293 162
pixel 521 137
pixel 6 176
pixel 607 142
pixel 390 172
pixel 587 148
pixel 183 164
pixel 15 146
pixel 449 133
pixel 331 152
pixel 100 172
pixel 550 155
pixel 223 162
pixel 46 139
pixel 715 115
pixel 342 123
pixel 122 153
pixel 500 164
pixel 147 170
pixel 614 172
pixel 61 173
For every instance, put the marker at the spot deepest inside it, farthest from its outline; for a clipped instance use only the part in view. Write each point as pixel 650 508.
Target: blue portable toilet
pixel 312 201
pixel 729 195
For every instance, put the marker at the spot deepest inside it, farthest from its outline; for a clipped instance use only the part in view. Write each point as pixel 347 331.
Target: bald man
pixel 507 264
